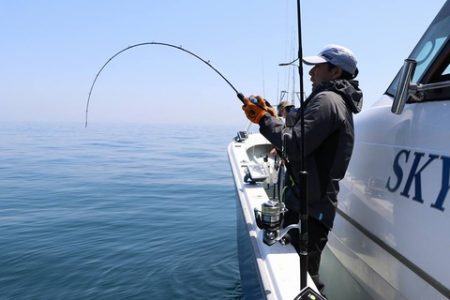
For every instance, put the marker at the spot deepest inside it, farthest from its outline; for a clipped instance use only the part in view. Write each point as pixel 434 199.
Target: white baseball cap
pixel 336 55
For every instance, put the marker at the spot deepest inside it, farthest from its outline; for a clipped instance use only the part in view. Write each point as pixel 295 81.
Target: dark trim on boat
pixel 409 264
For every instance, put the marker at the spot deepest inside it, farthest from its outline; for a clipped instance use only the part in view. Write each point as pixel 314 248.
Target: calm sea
pixel 116 212
pixel 123 212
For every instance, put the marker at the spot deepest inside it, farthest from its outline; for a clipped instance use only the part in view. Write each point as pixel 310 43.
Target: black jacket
pixel 329 137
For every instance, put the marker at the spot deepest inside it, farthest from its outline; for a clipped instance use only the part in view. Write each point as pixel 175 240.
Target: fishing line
pixel 239 95
pixel 288 63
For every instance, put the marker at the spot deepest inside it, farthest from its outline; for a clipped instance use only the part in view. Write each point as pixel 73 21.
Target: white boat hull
pixel 267 272
pixel 273 272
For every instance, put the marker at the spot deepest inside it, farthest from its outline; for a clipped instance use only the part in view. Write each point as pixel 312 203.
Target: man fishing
pixel 328 143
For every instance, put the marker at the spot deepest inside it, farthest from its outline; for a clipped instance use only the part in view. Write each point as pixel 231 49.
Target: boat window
pixel 446 71
pixel 429 51
pixel 425 56
pixel 439 72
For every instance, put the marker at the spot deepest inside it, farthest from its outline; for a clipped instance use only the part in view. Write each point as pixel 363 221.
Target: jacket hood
pixel 348 89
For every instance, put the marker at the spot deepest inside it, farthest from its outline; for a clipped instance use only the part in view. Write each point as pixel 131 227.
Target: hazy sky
pixel 51 51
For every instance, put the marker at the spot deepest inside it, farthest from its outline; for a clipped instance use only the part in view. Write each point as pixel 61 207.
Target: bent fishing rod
pixel 303 218
pixel 238 94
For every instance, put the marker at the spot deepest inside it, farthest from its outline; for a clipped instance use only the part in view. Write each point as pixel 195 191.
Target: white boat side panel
pixel 397 186
pixel 361 256
pixel 278 265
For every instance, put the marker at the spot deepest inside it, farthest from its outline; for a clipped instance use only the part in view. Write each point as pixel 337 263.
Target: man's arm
pixel 321 119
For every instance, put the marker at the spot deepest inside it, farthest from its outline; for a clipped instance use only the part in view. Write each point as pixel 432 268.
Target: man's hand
pixel 255 111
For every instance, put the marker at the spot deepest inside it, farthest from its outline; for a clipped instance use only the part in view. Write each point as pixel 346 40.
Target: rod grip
pixel 241 97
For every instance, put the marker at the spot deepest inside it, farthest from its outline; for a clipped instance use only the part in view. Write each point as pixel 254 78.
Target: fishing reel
pixel 270 220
